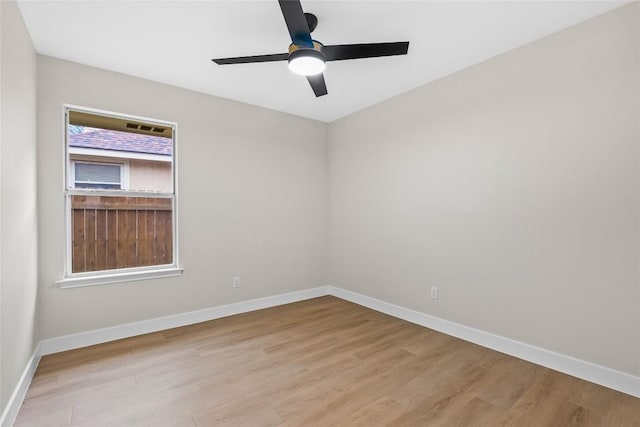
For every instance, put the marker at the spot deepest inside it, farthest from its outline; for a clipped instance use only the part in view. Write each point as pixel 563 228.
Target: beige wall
pixel 18 224
pixel 513 186
pixel 252 202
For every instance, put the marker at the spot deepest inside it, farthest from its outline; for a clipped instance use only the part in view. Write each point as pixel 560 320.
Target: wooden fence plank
pixel 90 239
pixel 78 263
pixel 131 254
pixel 111 239
pixel 101 239
pixel 121 234
pixel 167 241
pixel 143 244
pixel 161 238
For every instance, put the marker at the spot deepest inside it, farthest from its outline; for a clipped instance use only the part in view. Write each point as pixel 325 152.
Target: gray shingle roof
pixel 105 139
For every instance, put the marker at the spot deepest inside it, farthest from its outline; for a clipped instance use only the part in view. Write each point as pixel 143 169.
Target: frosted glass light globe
pixel 307 62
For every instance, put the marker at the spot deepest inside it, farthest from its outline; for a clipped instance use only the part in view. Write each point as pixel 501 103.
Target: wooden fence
pixel 120 232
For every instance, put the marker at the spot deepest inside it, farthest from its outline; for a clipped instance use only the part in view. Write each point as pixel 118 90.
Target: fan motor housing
pixel 317 46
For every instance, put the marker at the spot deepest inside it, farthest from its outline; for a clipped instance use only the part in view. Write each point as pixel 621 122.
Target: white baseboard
pixel 98 336
pixel 588 371
pixel 604 376
pixel 10 412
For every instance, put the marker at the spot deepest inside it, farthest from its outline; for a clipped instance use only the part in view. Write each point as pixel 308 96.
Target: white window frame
pixel 72 280
pixel 124 171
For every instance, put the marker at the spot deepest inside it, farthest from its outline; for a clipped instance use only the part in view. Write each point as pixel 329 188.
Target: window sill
pixel 121 277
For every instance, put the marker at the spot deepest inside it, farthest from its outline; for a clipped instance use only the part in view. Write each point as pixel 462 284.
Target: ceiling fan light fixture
pixel 307 62
pixel 308 57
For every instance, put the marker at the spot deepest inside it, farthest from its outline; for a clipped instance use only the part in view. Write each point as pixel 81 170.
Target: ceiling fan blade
pixel 250 59
pixel 317 84
pixel 296 22
pixel 340 52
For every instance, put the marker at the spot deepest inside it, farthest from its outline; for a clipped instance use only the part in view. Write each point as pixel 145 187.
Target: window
pixel 120 198
pixel 107 176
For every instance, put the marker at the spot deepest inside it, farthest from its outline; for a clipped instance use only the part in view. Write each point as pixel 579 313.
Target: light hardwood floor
pixel 321 362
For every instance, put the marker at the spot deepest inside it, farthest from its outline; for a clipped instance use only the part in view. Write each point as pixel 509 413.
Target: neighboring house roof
pixel 105 139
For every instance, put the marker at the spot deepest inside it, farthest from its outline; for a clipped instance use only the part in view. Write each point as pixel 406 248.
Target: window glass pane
pixel 92 172
pixel 149 155
pixel 112 153
pixel 110 232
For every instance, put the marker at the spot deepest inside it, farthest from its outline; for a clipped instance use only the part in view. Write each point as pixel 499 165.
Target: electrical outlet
pixel 236 282
pixel 434 292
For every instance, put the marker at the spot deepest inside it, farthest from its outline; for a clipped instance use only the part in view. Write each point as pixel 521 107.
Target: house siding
pixel 148 175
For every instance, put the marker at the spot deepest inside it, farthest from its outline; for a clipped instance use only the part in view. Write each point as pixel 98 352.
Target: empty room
pixel 319 213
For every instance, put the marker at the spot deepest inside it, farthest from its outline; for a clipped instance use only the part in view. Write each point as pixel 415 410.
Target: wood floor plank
pixel 319 362
pixel 477 412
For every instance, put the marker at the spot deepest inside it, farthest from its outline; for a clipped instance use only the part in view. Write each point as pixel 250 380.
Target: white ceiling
pixel 173 42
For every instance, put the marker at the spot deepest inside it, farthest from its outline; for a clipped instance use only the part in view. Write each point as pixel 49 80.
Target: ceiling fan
pixel 308 57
